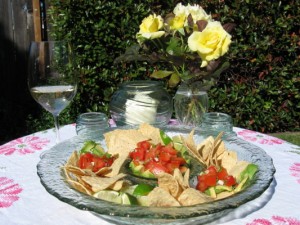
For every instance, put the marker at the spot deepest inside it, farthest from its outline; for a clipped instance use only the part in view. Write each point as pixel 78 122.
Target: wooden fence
pixel 20 23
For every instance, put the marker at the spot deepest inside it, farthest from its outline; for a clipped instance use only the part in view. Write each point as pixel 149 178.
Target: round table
pixel 24 200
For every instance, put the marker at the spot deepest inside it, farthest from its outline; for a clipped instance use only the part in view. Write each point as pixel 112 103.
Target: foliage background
pixel 261 90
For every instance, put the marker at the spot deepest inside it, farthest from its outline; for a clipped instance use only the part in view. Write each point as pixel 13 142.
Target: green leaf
pixel 160 74
pixel 174 80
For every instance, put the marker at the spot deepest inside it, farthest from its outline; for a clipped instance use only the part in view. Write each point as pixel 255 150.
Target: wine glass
pixel 52 79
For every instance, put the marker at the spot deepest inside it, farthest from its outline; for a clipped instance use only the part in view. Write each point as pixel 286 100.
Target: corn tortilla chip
pixel 116 166
pixel 78 186
pixel 169 183
pixel 159 197
pixel 102 183
pixel 152 133
pixel 228 159
pixel 73 159
pixel 237 169
pixel 191 196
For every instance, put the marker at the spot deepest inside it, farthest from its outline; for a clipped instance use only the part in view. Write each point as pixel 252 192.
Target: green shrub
pixel 260 90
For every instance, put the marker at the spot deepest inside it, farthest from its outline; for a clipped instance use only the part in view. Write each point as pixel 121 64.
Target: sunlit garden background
pixel 260 90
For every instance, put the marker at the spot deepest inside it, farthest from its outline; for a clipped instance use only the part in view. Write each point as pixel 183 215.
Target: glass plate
pixel 49 170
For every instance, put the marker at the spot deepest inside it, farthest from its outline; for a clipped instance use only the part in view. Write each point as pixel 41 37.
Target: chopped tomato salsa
pixel 94 162
pixel 211 177
pixel 157 158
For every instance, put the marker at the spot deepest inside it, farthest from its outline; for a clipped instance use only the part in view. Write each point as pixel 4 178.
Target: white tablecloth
pixel 24 200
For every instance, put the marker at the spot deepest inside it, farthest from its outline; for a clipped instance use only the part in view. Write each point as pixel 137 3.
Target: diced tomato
pixel 165 157
pixel 169 149
pixel 230 181
pixel 211 176
pixel 212 170
pixel 179 160
pixel 210 179
pixel 158 158
pixel 94 162
pixel 85 161
pixel 138 154
pixel 144 144
pixel 222 174
pixel 98 164
pixel 201 186
pixel 156 167
pixel 171 166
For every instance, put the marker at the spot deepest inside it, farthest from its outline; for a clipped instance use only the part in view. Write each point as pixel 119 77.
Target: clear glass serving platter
pixel 49 171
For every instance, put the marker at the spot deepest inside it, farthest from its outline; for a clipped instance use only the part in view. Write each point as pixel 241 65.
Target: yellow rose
pixel 177 22
pixel 197 13
pixel 182 12
pixel 150 27
pixel 212 43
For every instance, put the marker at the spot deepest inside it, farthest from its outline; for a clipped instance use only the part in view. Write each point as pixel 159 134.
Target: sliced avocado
pixel 241 185
pixel 92 147
pixel 140 171
pixel 221 188
pixel 88 145
pixel 211 192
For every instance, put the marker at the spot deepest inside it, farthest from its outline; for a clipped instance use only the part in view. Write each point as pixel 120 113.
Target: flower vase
pixel 190 104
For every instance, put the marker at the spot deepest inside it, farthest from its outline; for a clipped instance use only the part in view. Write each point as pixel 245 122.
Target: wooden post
pixel 37 20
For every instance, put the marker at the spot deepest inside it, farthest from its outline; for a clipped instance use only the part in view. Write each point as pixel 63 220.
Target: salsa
pixel 157 158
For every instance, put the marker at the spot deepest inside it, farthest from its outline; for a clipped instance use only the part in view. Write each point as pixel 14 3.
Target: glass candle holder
pixel 91 123
pixel 144 101
pixel 215 122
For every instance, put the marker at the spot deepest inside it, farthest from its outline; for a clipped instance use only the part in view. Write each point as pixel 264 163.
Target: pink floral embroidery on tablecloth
pixel 295 171
pixel 9 191
pixel 276 220
pixel 254 136
pixel 24 145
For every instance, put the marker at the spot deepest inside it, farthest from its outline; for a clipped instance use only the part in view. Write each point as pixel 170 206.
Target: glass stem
pixel 56 123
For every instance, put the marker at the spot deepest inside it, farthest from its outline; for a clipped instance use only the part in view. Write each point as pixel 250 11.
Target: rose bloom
pixel 150 27
pixel 182 12
pixel 212 43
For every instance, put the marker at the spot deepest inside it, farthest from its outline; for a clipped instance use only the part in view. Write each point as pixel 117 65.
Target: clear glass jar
pixel 215 122
pixel 190 104
pixel 91 124
pixel 137 102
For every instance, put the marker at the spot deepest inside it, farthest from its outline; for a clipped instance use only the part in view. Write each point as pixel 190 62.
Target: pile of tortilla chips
pixel 171 190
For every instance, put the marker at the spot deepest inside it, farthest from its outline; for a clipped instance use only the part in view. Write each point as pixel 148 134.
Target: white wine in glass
pixel 52 79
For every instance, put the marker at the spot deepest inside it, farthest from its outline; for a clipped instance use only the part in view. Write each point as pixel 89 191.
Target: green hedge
pixel 261 90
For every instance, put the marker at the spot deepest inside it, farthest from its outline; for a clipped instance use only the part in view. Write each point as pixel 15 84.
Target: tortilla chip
pixel 186 178
pixel 116 166
pixel 103 171
pixel 152 133
pixel 102 183
pixel 237 169
pixel 228 159
pixel 191 196
pixel 205 148
pixel 190 142
pixel 159 197
pixel 224 194
pixel 75 170
pixel 72 161
pixel 180 179
pixel 169 183
pixel 117 186
pixel 78 186
pixel 121 142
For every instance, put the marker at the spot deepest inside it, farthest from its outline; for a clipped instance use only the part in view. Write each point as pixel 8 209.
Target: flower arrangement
pixel 187 41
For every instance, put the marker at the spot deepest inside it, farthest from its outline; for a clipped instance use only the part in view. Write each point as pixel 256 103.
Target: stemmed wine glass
pixel 52 79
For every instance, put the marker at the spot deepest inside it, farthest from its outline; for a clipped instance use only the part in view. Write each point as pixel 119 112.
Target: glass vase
pixel 137 102
pixel 190 104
